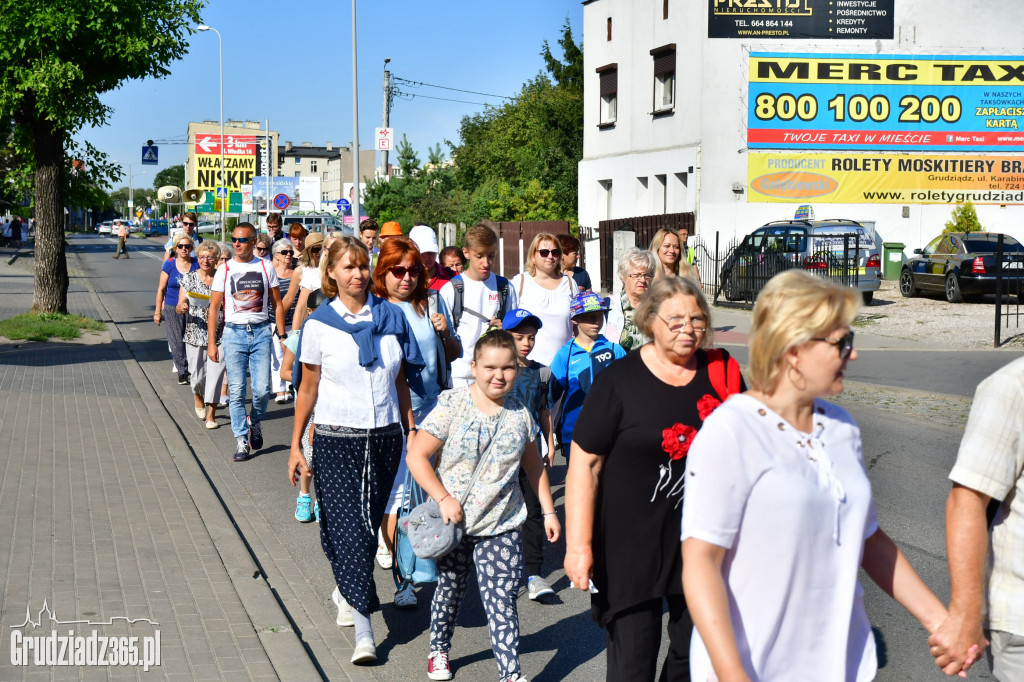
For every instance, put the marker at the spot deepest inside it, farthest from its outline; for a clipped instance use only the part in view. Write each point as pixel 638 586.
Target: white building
pixel 668 109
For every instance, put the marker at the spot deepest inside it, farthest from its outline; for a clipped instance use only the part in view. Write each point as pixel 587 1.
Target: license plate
pixel 1014 265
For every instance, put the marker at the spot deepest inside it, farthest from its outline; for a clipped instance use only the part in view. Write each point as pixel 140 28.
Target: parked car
pixel 208 227
pixel 324 223
pixel 838 249
pixel 104 227
pixel 961 265
pixel 154 226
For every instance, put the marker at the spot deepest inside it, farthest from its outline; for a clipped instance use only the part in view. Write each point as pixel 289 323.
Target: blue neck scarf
pixel 388 320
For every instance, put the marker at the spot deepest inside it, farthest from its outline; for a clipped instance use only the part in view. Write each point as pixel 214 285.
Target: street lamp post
pixel 131 190
pixel 220 44
pixel 356 209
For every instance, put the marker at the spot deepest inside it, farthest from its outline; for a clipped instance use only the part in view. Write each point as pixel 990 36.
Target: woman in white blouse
pixel 546 293
pixel 354 353
pixel 778 514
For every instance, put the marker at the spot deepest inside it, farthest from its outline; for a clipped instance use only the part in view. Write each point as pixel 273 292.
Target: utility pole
pixel 387 117
pixel 356 210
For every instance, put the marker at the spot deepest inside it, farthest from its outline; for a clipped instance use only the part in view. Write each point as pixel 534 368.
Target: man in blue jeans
pixel 246 287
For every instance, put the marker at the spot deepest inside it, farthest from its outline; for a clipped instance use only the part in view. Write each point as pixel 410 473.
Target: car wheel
pixel 953 294
pixel 907 288
pixel 867 295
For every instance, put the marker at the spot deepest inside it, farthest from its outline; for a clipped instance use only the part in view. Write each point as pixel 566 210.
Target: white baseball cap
pixel 424 238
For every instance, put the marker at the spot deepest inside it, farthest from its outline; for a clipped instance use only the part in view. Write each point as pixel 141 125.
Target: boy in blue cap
pixel 532 388
pixel 578 362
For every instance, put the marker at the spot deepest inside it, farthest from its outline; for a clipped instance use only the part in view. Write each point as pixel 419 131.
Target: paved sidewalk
pixel 110 518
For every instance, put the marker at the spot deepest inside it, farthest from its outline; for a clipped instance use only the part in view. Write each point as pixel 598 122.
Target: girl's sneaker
pixel 437 666
pixel 316 510
pixel 302 508
pixel 384 559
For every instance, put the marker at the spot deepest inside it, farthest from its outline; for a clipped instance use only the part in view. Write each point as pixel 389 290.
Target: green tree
pixel 435 157
pixel 57 60
pixel 964 219
pixel 408 160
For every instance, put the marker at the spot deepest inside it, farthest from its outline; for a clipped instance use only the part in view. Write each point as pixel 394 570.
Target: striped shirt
pixel 991 461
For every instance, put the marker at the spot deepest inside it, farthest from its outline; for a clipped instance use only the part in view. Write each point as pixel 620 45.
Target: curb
pixel 273 626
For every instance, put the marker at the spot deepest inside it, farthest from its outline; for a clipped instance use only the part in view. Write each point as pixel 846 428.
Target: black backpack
pixel 460 294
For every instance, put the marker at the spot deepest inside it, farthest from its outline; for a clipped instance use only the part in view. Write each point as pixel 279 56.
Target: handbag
pixel 429 535
pixel 409 568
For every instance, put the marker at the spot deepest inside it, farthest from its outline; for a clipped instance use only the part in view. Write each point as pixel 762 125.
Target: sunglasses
pixel 316 249
pixel 285 253
pixel 843 343
pixel 241 240
pixel 545 253
pixel 260 247
pixel 184 246
pixel 400 271
pixel 183 222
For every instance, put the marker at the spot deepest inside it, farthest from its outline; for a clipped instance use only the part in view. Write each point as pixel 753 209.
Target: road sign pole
pixel 356 199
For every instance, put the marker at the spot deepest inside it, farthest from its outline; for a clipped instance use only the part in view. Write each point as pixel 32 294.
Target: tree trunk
pixel 51 274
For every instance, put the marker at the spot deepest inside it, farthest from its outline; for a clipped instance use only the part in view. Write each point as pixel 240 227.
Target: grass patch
pixel 44 326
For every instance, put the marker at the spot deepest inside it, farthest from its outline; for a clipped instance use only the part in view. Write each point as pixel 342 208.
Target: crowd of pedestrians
pixel 737 507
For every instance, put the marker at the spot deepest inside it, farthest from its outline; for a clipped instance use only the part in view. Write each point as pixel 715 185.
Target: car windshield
pixel 1010 245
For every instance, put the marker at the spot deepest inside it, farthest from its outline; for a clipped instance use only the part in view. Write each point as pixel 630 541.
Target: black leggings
pixel 533 529
pixel 634 637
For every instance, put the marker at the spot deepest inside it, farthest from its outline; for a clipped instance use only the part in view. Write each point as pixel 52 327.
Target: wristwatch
pixel 282 336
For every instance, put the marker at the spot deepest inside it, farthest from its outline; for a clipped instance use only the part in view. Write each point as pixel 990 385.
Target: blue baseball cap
pixel 587 302
pixel 514 318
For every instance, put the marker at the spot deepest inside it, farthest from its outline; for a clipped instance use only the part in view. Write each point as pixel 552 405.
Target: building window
pixel 664 9
pixel 609 76
pixel 298 159
pixel 325 197
pixel 664 78
pixel 312 166
pixel 609 28
pixel 298 174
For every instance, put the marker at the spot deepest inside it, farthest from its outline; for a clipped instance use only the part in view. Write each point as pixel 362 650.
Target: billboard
pixel 885 178
pixel 898 102
pixel 240 161
pixel 828 19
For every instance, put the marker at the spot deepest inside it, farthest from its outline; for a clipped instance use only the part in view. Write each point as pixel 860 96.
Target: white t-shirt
pixel 350 394
pixel 310 278
pixel 483 298
pixel 246 299
pixel 552 307
pixel 792 511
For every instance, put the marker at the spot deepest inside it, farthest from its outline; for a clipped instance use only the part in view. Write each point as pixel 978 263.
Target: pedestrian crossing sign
pixel 149 154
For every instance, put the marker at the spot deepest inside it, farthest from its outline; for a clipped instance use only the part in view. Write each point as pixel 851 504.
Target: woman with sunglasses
pixel 308 277
pixel 282 260
pixel 399 278
pixel 546 292
pixel 778 516
pixel 194 302
pixel 262 246
pixel 167 292
pixel 188 229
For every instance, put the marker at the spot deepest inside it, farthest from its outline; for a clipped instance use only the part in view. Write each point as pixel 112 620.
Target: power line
pixel 444 87
pixel 410 95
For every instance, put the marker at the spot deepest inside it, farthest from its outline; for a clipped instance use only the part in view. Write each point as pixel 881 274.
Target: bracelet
pixel 444 498
pixel 550 513
pixel 412 429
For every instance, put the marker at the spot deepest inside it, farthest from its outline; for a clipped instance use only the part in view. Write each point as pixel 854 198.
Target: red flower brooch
pixel 706 405
pixel 676 440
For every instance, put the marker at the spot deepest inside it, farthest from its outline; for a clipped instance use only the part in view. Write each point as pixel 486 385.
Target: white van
pixel 320 222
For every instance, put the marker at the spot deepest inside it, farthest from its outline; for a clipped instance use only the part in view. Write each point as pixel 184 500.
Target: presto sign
pixel 240 152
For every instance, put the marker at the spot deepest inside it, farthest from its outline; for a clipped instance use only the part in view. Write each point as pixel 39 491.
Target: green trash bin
pixel 892 259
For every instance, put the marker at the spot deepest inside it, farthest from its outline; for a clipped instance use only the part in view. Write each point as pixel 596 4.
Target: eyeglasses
pixel 843 343
pixel 187 224
pixel 207 257
pixel 640 276
pixel 285 253
pixel 241 240
pixel 545 253
pixel 316 249
pixel 184 246
pixel 678 324
pixel 260 247
pixel 400 271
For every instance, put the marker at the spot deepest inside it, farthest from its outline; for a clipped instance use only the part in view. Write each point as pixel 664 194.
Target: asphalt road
pixel 908 460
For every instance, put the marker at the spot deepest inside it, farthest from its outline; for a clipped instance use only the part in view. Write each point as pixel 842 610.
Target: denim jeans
pixel 247 349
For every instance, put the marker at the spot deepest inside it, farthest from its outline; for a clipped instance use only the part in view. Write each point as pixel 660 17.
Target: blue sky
pixel 291 62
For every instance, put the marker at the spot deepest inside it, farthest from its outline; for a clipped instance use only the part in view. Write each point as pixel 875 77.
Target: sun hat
pixel 314 239
pixel 424 238
pixel 514 318
pixel 391 229
pixel 587 302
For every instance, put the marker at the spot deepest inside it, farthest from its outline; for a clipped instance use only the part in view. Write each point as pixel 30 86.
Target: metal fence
pixel 748 266
pixel 1009 284
pixel 643 227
